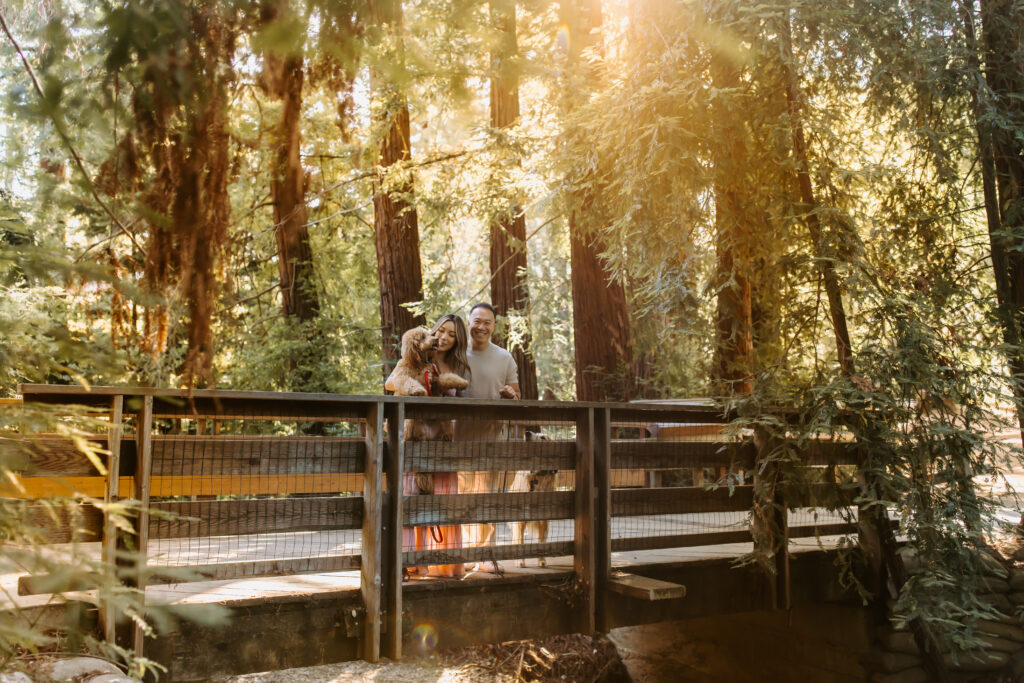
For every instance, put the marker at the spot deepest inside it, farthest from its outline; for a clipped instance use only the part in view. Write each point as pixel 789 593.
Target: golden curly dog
pixel 416 375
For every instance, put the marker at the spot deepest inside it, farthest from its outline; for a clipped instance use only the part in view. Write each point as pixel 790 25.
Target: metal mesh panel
pixel 499 492
pixel 670 485
pixel 254 490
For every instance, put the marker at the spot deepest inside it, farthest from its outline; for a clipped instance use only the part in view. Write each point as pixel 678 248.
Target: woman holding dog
pixel 452 342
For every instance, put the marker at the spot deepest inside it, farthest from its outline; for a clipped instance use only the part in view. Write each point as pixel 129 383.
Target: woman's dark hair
pixel 456 356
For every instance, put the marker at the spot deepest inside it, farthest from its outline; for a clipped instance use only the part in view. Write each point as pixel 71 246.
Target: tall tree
pixel 396 228
pixel 509 290
pixel 604 351
pixel 177 156
pixel 734 229
pixel 1000 118
pixel 283 79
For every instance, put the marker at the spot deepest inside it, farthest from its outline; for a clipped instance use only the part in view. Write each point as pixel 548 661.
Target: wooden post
pixel 602 513
pixel 777 518
pixel 370 566
pixel 583 554
pixel 391 559
pixel 110 495
pixel 143 475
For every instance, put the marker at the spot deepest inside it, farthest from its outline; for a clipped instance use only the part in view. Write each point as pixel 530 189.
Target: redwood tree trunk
pixel 733 241
pixel 1003 157
pixel 283 77
pixel 509 291
pixel 396 229
pixel 604 352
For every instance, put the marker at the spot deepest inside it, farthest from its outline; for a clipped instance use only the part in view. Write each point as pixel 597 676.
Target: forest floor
pixel 556 659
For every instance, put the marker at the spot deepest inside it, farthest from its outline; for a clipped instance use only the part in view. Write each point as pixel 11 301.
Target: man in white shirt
pixel 494 370
pixel 493 375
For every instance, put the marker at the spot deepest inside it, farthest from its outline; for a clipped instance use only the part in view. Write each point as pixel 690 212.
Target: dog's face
pixel 418 345
pixel 536 436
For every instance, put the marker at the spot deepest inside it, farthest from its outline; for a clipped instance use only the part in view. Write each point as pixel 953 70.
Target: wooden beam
pixel 370 569
pixel 158 574
pixel 603 449
pixel 63 522
pixel 584 560
pixel 391 554
pixel 666 501
pixel 680 540
pixel 108 617
pixel 162 487
pixel 144 449
pixel 197 519
pixel 203 455
pixel 671 454
pixel 505 456
pixel 471 508
pixel 644 588
pixel 420 558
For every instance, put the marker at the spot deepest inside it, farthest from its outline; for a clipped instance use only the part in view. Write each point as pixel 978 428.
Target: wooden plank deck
pixel 293 546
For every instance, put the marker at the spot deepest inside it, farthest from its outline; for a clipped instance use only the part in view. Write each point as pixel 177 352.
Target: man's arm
pixel 511 388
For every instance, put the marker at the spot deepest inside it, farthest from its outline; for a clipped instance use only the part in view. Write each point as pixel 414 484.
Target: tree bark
pixel 733 240
pixel 1002 164
pixel 874 522
pixel 396 228
pixel 603 340
pixel 283 79
pixel 509 291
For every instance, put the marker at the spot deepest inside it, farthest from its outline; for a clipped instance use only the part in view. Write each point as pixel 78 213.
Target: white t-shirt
pixel 492 368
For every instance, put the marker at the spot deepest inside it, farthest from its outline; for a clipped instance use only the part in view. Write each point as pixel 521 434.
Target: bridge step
pixel 644 588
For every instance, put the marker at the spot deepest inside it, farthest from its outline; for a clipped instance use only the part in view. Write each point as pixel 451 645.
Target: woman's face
pixel 445 336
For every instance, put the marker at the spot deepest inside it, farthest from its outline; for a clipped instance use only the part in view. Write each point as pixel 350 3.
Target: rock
pixel 911 562
pixel 998 644
pixel 892 662
pixel 79 668
pixel 994 585
pixel 990 565
pixel 15 677
pixel 112 678
pixel 914 675
pixel 1000 601
pixel 1016 598
pixel 977 661
pixel 1018 554
pixel 1017 581
pixel 1001 629
pixel 1017 665
pixel 898 641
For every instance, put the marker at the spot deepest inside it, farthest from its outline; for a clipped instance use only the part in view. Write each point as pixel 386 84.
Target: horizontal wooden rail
pixel 471 508
pixel 62 523
pixel 656 454
pixel 419 558
pixel 468 456
pixel 673 501
pixel 233 517
pixel 247 455
pixel 680 540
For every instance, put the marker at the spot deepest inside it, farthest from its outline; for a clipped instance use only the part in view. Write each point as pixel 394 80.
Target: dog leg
pixel 518 529
pixel 542 537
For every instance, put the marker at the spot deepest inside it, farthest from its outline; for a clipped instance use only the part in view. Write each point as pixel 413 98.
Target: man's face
pixel 481 326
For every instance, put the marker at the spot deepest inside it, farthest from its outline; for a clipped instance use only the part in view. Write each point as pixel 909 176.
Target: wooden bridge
pixel 282 508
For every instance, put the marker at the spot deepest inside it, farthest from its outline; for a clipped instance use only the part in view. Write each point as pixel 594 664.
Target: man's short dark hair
pixel 485 305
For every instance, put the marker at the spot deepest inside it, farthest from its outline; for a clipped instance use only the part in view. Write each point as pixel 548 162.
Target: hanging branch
pixel 64 137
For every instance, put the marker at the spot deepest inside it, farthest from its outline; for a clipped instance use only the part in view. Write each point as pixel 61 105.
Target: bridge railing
pixel 234 484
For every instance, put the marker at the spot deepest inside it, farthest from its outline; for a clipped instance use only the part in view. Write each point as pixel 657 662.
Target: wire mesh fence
pixel 251 490
pixel 677 484
pixel 498 490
